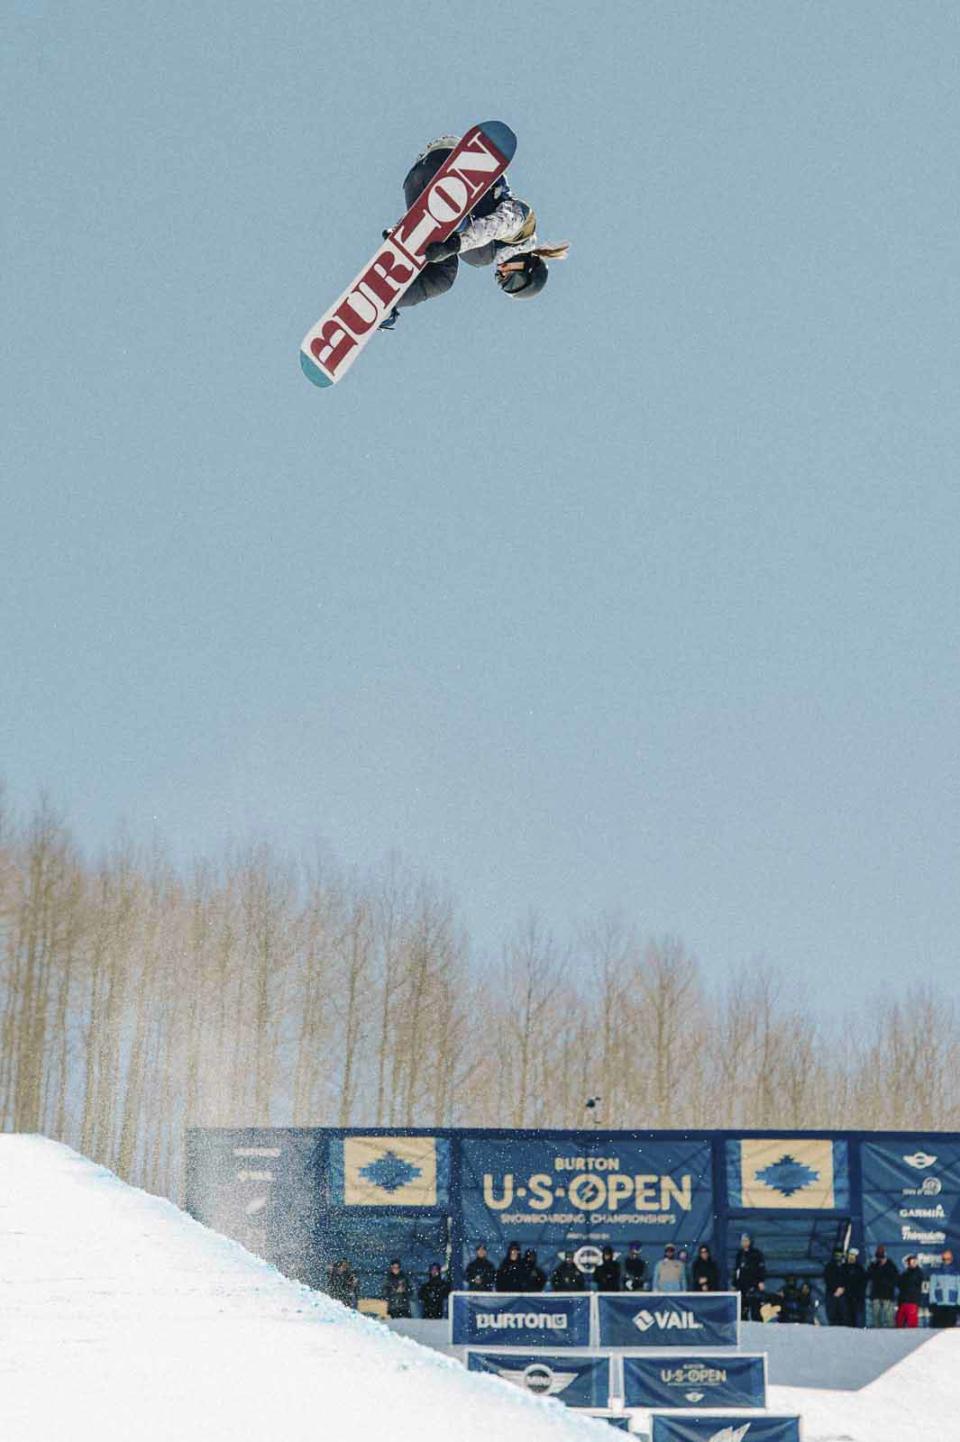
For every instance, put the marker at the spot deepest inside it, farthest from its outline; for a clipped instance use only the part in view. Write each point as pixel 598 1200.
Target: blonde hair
pixel 553 252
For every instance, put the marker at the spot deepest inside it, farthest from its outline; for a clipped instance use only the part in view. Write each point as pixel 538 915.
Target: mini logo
pixel 920 1160
pixel 538 1378
pixel 694 1396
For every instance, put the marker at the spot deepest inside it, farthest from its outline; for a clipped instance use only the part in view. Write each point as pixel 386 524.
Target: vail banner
pixel 582 1193
pixel 802 1173
pixel 726 1380
pixel 911 1196
pixel 577 1381
pixel 384 1171
pixel 527 1319
pixel 725 1429
pixel 676 1319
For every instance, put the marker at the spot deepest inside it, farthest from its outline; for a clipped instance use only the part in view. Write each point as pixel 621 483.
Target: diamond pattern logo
pixel 787 1176
pixel 390 1172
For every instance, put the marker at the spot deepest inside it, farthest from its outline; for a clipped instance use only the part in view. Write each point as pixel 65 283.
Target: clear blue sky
pixel 644 594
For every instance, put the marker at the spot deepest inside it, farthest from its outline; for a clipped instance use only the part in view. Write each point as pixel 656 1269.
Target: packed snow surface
pixel 121 1317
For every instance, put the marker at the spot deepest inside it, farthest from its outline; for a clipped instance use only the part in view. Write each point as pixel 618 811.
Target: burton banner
pixel 717 1381
pixel 911 1197
pixel 575 1381
pixel 677 1319
pixel 581 1194
pixel 800 1173
pixel 526 1319
pixel 725 1429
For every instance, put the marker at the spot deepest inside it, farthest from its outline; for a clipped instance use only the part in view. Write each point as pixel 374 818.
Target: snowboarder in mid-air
pixel 501 230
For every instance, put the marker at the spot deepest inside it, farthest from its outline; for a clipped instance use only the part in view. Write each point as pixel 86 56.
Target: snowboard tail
pixel 330 348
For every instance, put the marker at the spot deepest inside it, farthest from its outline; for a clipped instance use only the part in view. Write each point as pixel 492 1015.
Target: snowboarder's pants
pixel 436 279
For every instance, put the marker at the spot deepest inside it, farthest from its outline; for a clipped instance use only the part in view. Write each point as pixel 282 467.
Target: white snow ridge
pixel 121 1317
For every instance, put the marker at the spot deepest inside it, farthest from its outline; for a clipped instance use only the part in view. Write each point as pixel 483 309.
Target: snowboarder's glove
pixel 442 249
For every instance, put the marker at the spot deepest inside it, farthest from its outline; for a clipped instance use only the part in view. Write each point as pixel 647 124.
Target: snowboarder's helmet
pixel 524 282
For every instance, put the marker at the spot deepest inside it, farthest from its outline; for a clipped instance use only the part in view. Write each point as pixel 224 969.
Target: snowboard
pixel 330 348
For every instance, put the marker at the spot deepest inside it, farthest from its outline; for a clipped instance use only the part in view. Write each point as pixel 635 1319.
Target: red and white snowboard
pixel 330 348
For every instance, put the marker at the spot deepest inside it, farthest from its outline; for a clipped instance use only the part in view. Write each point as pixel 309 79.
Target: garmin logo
pixel 667 1319
pixel 522 1321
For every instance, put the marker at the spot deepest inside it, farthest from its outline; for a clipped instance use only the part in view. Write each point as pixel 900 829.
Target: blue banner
pixel 717 1381
pixel 677 1319
pixel 580 1193
pixel 525 1319
pixel 725 1429
pixel 790 1173
pixel 575 1381
pixel 911 1197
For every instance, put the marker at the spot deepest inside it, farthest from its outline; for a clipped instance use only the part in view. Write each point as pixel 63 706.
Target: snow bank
pixel 122 1317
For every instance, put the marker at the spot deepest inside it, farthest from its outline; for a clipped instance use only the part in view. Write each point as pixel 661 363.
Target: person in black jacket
pixel 434 1293
pixel 705 1273
pixel 634 1269
pixel 834 1282
pixel 342 1283
pixel 882 1278
pixel 606 1277
pixel 796 1302
pixel 396 1290
pixel 510 1273
pixel 480 1274
pixel 567 1277
pixel 855 1288
pixel 910 1292
pixel 534 1277
pixel 749 1278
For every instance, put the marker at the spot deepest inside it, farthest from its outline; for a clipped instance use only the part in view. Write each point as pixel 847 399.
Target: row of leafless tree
pixel 136 1001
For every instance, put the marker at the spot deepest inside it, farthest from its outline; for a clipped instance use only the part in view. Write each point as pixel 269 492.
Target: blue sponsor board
pixel 911 1196
pixel 725 1429
pixel 523 1319
pixel 575 1381
pixel 723 1380
pixel 676 1319
pixel 559 1193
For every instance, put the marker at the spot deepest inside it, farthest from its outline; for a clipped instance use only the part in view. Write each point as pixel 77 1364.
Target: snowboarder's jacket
pixel 910 1285
pixel 606 1277
pixel 396 1294
pixel 749 1270
pixel 567 1278
pixel 433 1297
pixel 882 1280
pixel 498 227
pixel 480 1275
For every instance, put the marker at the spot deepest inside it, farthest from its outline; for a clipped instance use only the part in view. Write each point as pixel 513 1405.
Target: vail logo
pixel 730 1434
pixel 666 1319
pixel 538 1378
pixel 920 1160
pixel 787 1176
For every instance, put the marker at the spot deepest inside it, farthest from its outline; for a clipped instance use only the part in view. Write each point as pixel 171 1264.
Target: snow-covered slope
pixel 120 1317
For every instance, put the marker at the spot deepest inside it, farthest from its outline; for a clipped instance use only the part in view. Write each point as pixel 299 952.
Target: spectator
pixel 481 1274
pixel 855 1289
pixel 434 1293
pixel 534 1277
pixel 910 1293
pixel 510 1274
pixel 606 1277
pixel 342 1283
pixel 882 1277
pixel 706 1273
pixel 669 1275
pixel 396 1290
pixel 834 1280
pixel 943 1311
pixel 634 1269
pixel 796 1302
pixel 567 1277
pixel 808 1304
pixel 749 1278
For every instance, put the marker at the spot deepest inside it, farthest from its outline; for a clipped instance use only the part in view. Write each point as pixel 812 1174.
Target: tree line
pixel 137 999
